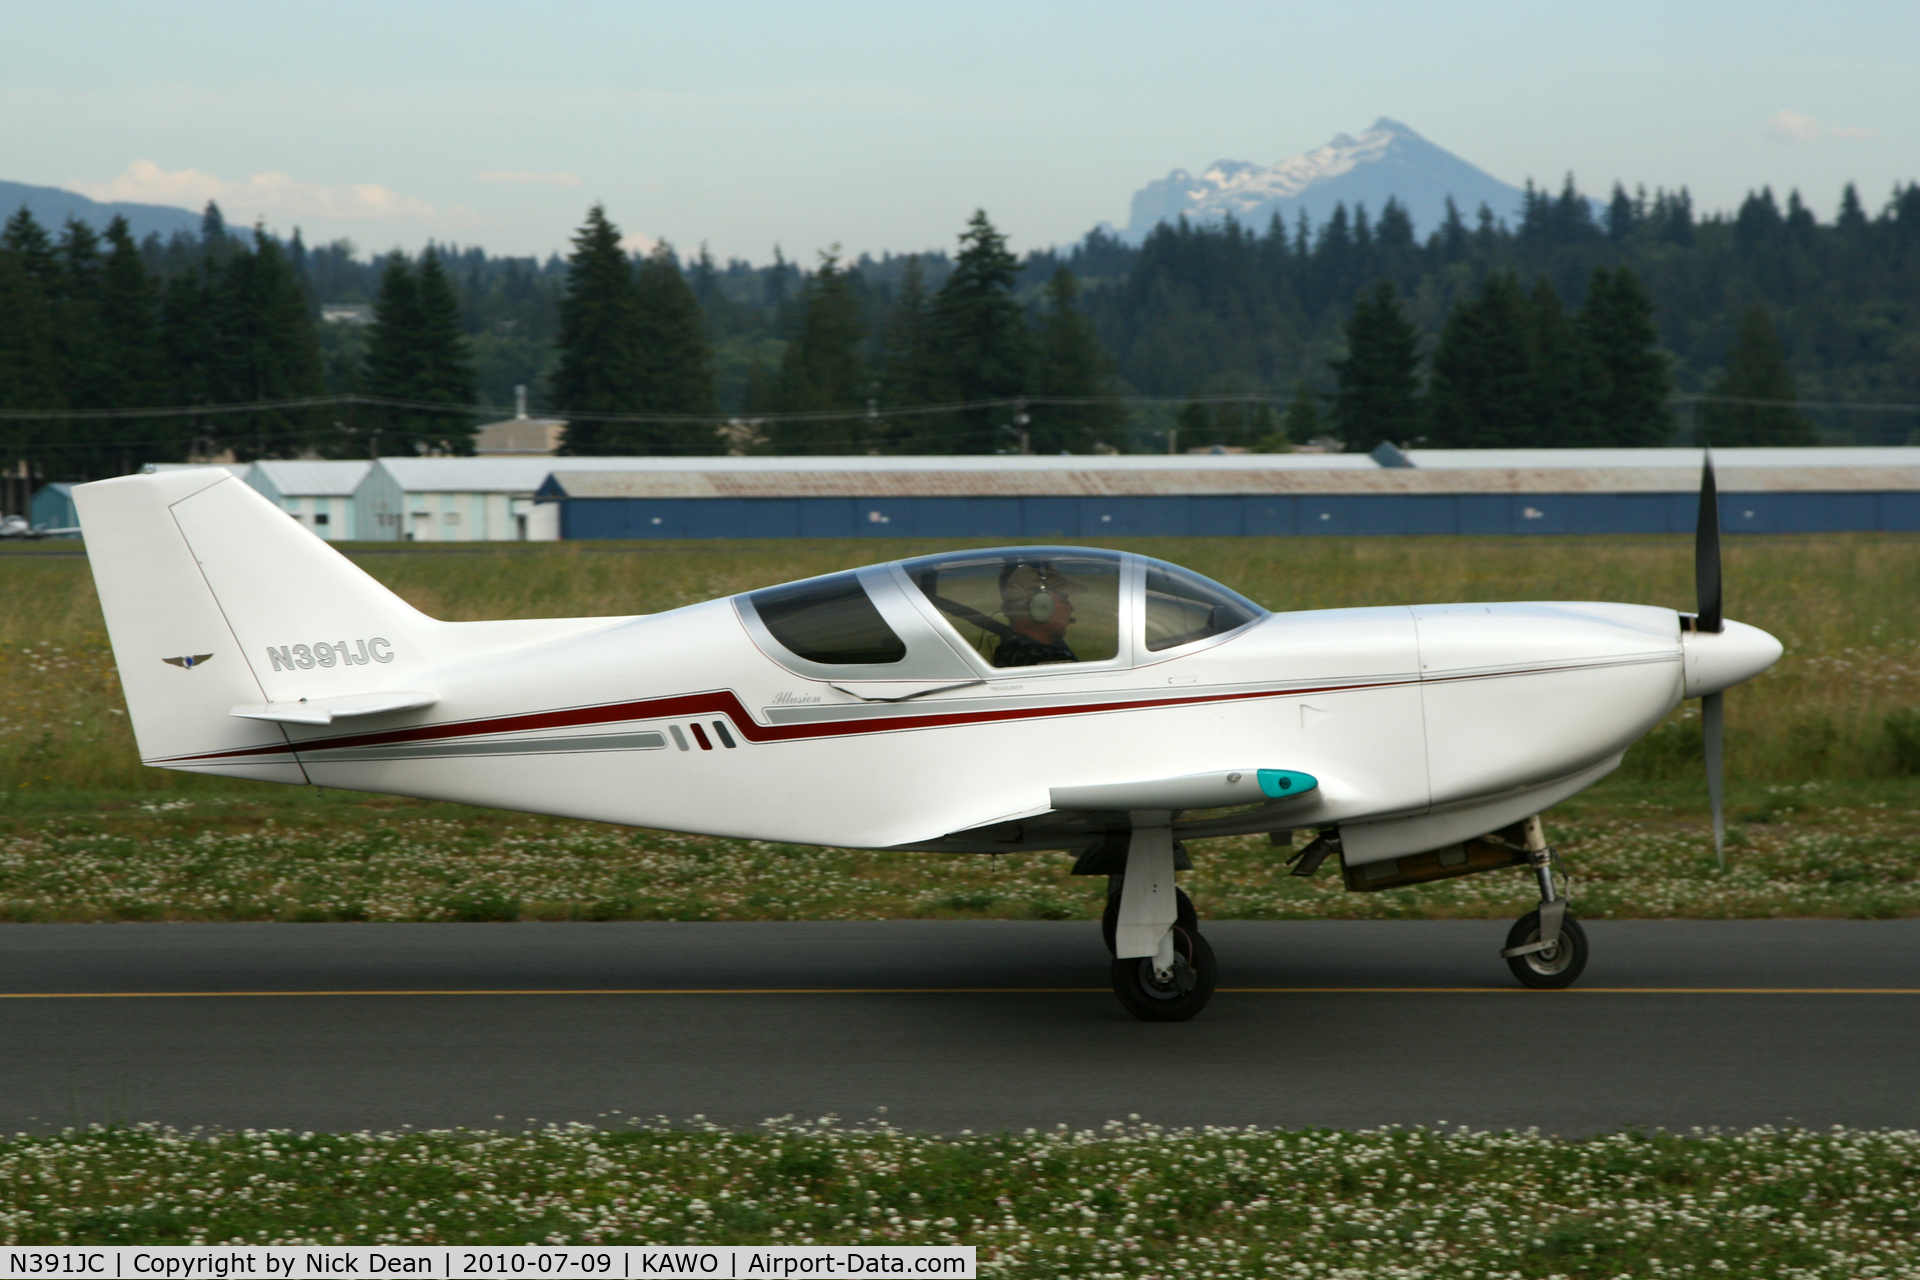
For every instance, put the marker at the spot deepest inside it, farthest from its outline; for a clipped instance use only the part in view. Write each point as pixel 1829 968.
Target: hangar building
pixel 1089 497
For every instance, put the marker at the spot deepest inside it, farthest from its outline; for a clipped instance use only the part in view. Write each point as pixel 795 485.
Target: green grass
pixel 1842 849
pixel 1823 755
pixel 1128 1200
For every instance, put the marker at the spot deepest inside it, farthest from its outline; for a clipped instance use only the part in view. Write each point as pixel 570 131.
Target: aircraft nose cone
pixel 1719 660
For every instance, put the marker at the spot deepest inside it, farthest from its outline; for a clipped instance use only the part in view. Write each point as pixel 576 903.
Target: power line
pixel 821 415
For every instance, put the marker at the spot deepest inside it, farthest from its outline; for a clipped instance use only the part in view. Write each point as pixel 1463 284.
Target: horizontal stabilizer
pixel 1192 791
pixel 327 710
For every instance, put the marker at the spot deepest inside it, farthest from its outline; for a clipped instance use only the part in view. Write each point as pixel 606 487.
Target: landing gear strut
pixel 1546 948
pixel 1163 970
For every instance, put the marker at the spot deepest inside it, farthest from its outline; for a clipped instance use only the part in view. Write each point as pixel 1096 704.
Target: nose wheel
pixel 1546 948
pixel 1551 966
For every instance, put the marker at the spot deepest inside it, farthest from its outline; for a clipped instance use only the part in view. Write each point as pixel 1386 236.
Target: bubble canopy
pixel 962 613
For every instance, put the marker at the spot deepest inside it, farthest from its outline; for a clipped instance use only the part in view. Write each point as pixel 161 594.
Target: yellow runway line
pixel 958 991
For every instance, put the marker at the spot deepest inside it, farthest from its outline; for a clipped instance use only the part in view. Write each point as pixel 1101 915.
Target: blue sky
pixel 882 126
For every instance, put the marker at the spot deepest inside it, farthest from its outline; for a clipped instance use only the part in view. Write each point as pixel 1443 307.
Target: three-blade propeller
pixel 1706 585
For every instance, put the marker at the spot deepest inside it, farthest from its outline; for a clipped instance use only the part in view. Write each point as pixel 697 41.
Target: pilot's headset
pixel 1040 605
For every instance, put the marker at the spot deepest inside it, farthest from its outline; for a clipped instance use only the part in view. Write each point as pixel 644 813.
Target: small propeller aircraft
pixel 21 527
pixel 1025 698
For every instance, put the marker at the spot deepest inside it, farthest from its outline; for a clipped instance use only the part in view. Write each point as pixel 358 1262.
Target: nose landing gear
pixel 1163 970
pixel 1546 948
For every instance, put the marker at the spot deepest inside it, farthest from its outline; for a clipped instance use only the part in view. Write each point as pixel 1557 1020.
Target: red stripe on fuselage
pixel 725 702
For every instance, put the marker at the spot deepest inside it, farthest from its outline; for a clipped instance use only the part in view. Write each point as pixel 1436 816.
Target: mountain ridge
pixel 52 206
pixel 1388 160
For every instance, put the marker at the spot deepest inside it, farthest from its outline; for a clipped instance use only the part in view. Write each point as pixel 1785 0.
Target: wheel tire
pixel 1185 917
pixel 1548 970
pixel 1194 974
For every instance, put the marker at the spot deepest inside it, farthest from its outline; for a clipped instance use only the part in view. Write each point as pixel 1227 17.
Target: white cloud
pixel 274 196
pixel 639 242
pixel 523 178
pixel 1792 126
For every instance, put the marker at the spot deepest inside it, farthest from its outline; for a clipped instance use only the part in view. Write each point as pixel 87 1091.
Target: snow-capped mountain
pixel 1387 160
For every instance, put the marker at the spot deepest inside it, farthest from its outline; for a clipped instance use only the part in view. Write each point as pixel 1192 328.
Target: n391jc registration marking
pixel 302 657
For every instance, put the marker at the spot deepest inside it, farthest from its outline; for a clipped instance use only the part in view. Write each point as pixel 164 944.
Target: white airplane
pixel 21 527
pixel 1027 698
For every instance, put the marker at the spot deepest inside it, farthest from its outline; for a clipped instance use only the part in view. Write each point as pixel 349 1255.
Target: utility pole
pixel 1020 421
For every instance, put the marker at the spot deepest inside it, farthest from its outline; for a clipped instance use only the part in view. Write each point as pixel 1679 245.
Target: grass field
pixel 1824 756
pixel 1129 1200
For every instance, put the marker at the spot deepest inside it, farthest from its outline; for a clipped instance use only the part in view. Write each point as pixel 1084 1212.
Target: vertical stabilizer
pixel 179 662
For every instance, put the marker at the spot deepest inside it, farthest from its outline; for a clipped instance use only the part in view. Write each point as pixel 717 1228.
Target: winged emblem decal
pixel 187 661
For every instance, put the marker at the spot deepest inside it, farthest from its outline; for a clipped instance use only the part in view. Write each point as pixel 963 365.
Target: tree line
pixel 1565 327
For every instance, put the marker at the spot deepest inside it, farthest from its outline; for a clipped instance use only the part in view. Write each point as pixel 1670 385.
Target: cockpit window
pixel 1030 607
pixel 1183 607
pixel 830 620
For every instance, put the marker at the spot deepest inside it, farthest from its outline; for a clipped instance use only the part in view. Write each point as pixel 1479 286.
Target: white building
pixel 466 499
pixel 320 495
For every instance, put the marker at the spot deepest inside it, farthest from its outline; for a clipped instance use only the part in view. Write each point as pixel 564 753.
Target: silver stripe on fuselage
pixel 937 706
pixel 648 741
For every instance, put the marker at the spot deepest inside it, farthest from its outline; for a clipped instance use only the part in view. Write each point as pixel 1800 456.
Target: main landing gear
pixel 1546 948
pixel 1163 970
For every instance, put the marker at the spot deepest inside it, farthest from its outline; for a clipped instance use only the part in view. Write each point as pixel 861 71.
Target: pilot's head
pixel 1038 600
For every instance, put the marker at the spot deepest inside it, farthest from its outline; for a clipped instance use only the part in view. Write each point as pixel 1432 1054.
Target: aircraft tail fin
pixel 215 598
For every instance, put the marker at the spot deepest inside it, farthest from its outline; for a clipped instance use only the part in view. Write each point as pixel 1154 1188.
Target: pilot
pixel 1037 601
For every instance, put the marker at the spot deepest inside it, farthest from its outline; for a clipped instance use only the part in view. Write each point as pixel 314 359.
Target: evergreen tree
pixel 988 349
pixel 1302 421
pixel 676 364
pixel 1378 379
pixel 821 369
pixel 1072 365
pixel 33 249
pixel 266 348
pixel 1756 369
pixel 81 359
pixel 28 378
pixel 1634 379
pixel 445 372
pixel 599 370
pixel 1481 392
pixel 1569 391
pixel 390 364
pixel 909 367
pixel 129 311
pixel 416 351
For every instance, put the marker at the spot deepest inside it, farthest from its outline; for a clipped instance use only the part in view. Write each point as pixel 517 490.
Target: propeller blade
pixel 1706 552
pixel 1713 727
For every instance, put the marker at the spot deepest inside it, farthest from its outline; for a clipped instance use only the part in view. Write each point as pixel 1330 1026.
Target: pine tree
pixel 1378 378
pixel 33 249
pixel 1756 369
pixel 390 364
pixel 987 347
pixel 28 378
pixel 1302 422
pixel 908 367
pixel 600 332
pixel 1072 365
pixel 445 373
pixel 265 348
pixel 676 365
pixel 416 350
pixel 1481 393
pixel 130 329
pixel 1635 378
pixel 1569 389
pixel 821 369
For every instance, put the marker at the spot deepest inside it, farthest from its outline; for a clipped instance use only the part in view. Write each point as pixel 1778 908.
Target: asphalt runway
pixel 950 1025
